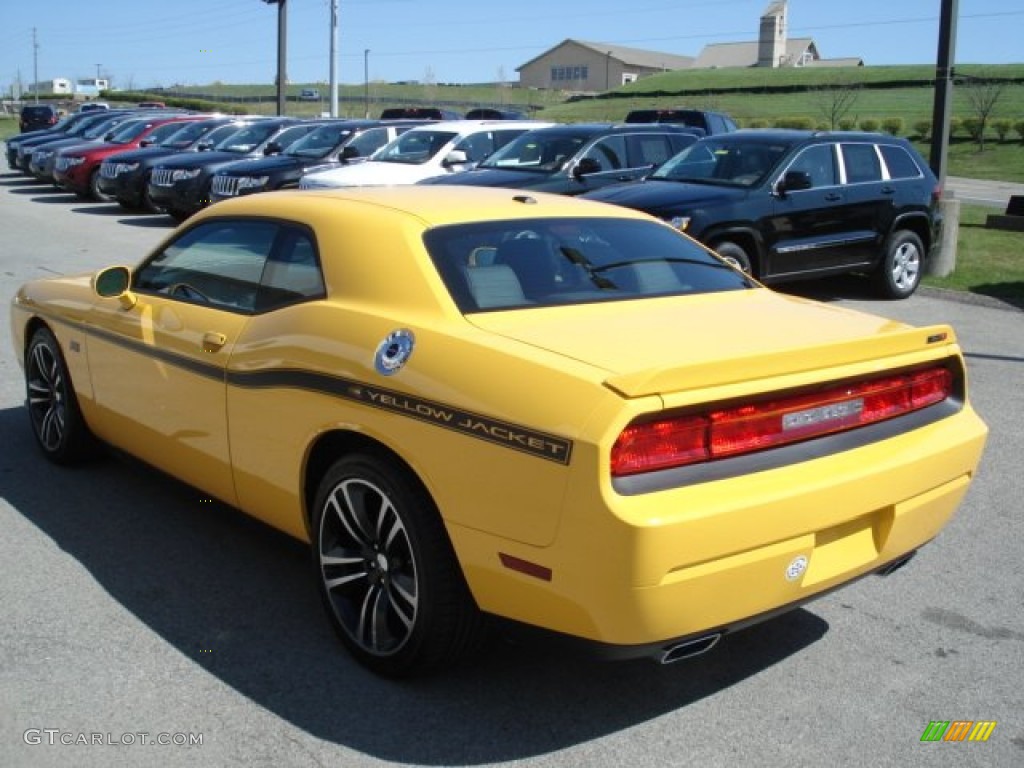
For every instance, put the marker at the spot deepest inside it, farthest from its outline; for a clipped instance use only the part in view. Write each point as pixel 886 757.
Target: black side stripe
pixel 543 445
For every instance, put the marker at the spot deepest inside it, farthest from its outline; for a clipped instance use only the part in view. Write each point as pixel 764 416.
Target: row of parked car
pixel 780 205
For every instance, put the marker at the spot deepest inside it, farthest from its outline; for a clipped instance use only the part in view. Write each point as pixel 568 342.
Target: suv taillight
pixel 733 431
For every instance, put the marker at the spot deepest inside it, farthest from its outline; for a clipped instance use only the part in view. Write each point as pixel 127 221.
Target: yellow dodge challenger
pixel 479 402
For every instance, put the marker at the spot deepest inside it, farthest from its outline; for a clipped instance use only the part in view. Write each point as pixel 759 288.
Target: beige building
pixel 578 65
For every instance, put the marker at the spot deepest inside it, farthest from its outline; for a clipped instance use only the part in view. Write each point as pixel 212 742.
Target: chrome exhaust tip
pixel 689 648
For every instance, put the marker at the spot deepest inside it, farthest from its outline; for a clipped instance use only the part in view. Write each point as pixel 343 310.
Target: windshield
pixel 525 264
pixel 183 136
pixel 247 139
pixel 102 126
pixel 414 147
pixel 129 131
pixel 743 163
pixel 536 152
pixel 220 133
pixel 320 142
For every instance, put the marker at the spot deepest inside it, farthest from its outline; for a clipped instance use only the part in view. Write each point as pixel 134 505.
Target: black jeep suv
pixel 785 205
pixel 576 158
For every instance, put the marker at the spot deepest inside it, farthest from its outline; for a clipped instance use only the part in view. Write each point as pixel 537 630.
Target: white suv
pixel 425 151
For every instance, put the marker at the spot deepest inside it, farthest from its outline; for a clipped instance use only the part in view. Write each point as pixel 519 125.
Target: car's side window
pixel 899 162
pixel 610 153
pixel 819 163
pixel 648 150
pixel 292 273
pixel 861 162
pixel 369 141
pixel 219 263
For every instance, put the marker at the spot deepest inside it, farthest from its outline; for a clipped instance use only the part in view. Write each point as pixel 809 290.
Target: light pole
pixel 366 82
pixel 334 58
pixel 282 36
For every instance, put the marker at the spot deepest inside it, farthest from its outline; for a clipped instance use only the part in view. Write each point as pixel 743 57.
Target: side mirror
pixel 349 152
pixel 456 157
pixel 273 148
pixel 794 181
pixel 585 167
pixel 204 146
pixel 113 283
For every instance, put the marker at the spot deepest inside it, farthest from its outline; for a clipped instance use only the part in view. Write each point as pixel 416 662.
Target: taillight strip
pixel 727 432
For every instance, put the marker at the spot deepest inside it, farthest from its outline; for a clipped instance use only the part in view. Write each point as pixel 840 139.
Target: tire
pixel 900 272
pixel 148 203
pixel 95 192
pixel 56 420
pixel 386 571
pixel 734 254
pixel 178 216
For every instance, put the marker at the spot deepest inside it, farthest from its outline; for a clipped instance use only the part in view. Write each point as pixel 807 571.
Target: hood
pixel 265 165
pixel 372 173
pixel 199 159
pixel 659 346
pixel 146 153
pixel 652 195
pixel 492 177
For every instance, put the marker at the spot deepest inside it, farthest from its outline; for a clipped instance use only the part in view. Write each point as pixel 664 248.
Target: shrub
pixel 798 123
pixel 1002 127
pixel 922 129
pixel 847 124
pixel 757 122
pixel 974 127
pixel 869 124
pixel 1019 128
pixel 893 125
pixel 955 124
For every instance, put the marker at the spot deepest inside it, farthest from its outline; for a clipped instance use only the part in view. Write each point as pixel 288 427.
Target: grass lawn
pixel 989 262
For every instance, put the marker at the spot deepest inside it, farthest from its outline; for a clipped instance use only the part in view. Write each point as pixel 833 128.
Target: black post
pixel 282 50
pixel 943 107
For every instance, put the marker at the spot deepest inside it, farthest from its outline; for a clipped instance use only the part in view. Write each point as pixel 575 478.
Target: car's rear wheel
pixel 386 570
pixel 900 272
pixel 56 420
pixel 734 254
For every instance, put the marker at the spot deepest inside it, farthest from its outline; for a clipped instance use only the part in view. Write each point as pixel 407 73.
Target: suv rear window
pixel 899 162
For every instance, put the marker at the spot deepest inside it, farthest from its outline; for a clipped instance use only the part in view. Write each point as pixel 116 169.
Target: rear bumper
pixel 640 573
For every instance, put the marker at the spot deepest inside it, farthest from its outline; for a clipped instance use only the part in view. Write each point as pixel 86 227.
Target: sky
pixel 141 43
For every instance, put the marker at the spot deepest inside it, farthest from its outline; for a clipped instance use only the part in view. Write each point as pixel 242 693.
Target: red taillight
pixel 770 423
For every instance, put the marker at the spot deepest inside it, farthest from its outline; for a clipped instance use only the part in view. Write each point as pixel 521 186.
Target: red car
pixel 77 168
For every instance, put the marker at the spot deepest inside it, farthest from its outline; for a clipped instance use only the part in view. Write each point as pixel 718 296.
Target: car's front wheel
pixel 900 272
pixel 386 570
pixel 56 420
pixel 94 189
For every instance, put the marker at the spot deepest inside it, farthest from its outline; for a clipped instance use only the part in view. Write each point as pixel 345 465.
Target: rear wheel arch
pixel 918 224
pixel 334 445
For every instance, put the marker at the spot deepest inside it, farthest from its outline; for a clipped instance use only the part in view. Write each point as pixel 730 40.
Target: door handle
pixel 833 197
pixel 213 341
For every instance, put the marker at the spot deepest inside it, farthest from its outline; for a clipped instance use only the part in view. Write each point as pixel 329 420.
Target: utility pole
pixel 366 82
pixel 943 263
pixel 943 106
pixel 35 65
pixel 334 58
pixel 282 52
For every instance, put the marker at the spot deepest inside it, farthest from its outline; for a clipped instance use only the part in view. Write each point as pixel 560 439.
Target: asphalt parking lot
pixel 134 612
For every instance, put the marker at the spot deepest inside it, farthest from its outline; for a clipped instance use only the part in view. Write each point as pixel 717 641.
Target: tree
pixel 982 94
pixel 835 100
